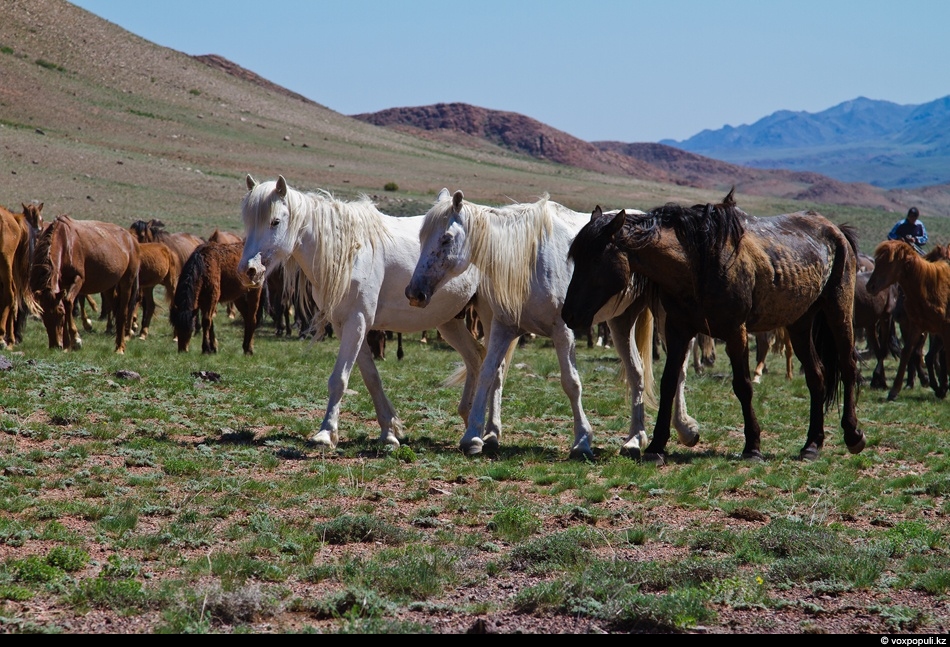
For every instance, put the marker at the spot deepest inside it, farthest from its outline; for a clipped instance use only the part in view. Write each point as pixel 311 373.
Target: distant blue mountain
pixel 863 140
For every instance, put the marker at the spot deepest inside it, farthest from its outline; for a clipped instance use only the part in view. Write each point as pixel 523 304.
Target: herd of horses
pixel 685 275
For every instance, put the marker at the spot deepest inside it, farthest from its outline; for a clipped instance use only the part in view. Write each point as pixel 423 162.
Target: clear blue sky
pixel 620 70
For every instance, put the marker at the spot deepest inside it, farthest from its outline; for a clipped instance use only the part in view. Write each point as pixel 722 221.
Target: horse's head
pixel 33 213
pixel 269 236
pixel 889 260
pixel 601 271
pixel 445 252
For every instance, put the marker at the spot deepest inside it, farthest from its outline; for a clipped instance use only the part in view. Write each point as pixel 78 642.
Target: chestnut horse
pixel 926 287
pixel 210 276
pixel 724 273
pixel 18 234
pixel 82 257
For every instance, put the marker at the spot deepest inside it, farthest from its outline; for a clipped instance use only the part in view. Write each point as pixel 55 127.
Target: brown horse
pixel 159 267
pixel 181 244
pixel 726 274
pixel 926 303
pixel 210 276
pixel 777 341
pixel 80 257
pixel 17 238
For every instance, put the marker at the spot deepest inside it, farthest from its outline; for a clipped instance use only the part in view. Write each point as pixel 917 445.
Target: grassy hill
pixel 101 124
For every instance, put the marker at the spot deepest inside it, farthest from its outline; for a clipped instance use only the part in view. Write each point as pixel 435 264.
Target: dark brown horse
pixel 18 234
pixel 926 299
pixel 81 257
pixel 874 314
pixel 210 277
pixel 726 274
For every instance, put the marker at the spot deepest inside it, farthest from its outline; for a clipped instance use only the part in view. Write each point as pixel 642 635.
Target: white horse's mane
pixel 502 243
pixel 339 229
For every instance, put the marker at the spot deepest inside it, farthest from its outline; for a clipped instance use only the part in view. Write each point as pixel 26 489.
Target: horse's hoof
pixel 323 439
pixel 631 451
pixel 656 459
pixel 858 447
pixel 582 452
pixel 490 443
pixel 891 396
pixel 755 456
pixel 689 440
pixel 637 440
pixel 389 442
pixel 472 446
pixel 809 454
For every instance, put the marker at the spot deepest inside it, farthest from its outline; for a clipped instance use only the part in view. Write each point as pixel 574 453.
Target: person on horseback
pixel 910 230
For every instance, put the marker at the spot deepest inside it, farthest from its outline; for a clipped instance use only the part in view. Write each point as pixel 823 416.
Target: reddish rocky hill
pixel 652 162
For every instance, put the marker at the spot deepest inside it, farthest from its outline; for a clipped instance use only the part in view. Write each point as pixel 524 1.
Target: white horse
pixel 357 261
pixel 521 251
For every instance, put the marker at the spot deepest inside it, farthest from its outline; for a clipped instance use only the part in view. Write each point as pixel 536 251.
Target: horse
pixel 926 287
pixel 210 276
pixel 724 273
pixel 180 243
pixel 777 341
pixel 159 267
pixel 874 314
pixel 82 257
pixel 356 260
pixel 18 234
pixel 521 252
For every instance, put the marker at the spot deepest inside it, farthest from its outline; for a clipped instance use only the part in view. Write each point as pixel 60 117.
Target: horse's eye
pixel 446 240
pixel 274 223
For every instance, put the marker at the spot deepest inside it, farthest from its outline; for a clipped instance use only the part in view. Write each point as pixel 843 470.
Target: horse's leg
pixel 762 345
pixel 677 355
pixel 352 335
pixel 399 351
pixel 876 334
pixel 390 426
pixel 208 341
pixel 839 320
pixel 789 353
pixel 148 309
pixel 491 378
pixel 622 329
pixel 456 334
pixel 687 429
pixel 563 338
pixel 910 335
pixel 122 309
pixel 737 348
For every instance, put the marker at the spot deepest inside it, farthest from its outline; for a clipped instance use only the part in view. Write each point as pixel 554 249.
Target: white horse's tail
pixel 458 377
pixel 643 331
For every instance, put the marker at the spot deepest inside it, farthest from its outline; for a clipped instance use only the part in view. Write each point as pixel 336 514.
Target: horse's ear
pixel 443 195
pixel 281 186
pixel 597 213
pixel 457 201
pixel 730 199
pixel 250 182
pixel 616 223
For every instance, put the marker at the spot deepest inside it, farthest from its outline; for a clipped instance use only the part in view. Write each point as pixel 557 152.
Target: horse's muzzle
pixel 253 272
pixel 417 298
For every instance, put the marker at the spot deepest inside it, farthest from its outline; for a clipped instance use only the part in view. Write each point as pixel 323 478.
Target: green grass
pixel 202 504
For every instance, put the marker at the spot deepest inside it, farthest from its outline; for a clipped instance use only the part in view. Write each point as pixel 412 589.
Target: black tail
pixel 827 351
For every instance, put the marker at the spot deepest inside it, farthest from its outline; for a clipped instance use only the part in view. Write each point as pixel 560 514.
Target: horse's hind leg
pixel 737 347
pixel 621 330
pixel 491 379
pixel 677 357
pixel 390 426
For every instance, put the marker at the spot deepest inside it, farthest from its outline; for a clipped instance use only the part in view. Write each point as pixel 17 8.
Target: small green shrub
pixel 390 186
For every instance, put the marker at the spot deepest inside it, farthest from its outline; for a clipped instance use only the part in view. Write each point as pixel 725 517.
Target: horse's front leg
pixel 677 355
pixel 490 380
pixel 909 349
pixel 563 338
pixel 390 426
pixel 737 347
pixel 687 429
pixel 71 339
pixel 804 345
pixel 352 336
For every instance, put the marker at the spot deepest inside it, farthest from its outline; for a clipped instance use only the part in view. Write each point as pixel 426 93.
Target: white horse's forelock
pixel 338 228
pixel 502 243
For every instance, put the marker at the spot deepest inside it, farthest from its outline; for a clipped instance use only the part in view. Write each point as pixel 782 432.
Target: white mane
pixel 503 244
pixel 339 229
